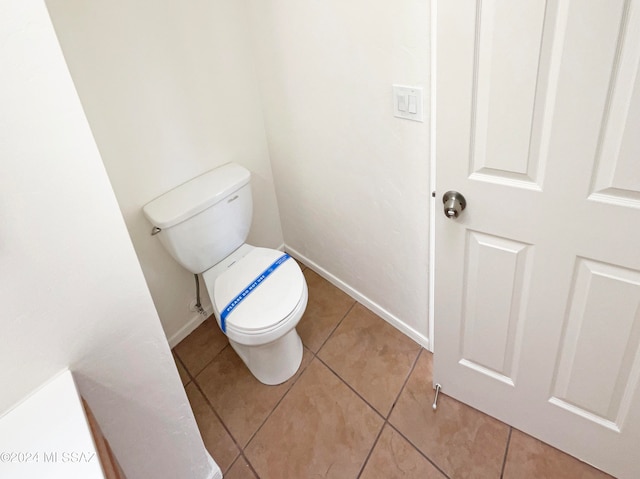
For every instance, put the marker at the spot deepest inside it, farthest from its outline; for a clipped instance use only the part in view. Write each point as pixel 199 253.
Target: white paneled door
pixel 537 291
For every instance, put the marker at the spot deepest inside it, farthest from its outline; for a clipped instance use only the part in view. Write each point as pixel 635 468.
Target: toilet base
pixel 275 362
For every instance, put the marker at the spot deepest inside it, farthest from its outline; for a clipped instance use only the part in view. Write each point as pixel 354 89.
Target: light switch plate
pixel 407 102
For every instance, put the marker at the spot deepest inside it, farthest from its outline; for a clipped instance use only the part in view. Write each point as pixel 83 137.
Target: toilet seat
pixel 274 302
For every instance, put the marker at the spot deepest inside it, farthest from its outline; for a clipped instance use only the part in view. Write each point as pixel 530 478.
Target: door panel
pixel 602 295
pixel 506 57
pixel 617 176
pixel 537 290
pixel 492 311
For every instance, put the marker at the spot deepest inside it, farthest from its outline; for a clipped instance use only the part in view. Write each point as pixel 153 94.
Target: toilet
pixel 258 294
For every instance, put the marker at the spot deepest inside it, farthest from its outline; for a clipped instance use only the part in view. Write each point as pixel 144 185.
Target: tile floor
pixel 359 407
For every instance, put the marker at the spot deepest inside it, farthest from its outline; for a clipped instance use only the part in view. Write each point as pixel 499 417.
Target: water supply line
pixel 198 306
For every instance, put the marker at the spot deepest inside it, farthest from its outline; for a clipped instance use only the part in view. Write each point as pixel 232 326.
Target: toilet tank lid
pixel 196 195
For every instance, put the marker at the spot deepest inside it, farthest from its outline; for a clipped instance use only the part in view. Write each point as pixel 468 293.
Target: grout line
pixel 240 448
pixel 336 326
pixel 506 451
pixel 176 354
pixel 351 387
pixel 419 450
pixel 248 463
pixel 212 360
pixel 373 446
pixel 406 380
pixel 296 377
pixel 233 463
pixel 177 358
pixel 385 418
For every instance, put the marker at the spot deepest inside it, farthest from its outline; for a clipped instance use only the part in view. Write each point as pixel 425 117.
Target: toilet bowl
pixel 261 328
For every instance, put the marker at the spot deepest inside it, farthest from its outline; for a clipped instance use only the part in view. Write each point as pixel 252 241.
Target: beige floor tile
pixel 327 305
pixel 201 346
pixel 462 441
pixel 371 356
pixel 393 457
pixel 242 402
pixel 529 458
pixel 215 437
pixel 240 470
pixel 320 429
pixel 184 376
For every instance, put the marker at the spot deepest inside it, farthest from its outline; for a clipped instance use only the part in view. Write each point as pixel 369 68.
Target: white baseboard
pixel 404 328
pixel 188 328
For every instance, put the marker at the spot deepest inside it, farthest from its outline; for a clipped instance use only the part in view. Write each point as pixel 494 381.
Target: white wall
pixel 71 290
pixel 352 181
pixel 170 91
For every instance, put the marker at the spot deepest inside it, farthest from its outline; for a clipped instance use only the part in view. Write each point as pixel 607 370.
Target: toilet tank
pixel 205 219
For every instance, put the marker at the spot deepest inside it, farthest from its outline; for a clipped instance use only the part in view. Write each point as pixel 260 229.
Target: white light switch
pixel 402 103
pixel 413 107
pixel 407 102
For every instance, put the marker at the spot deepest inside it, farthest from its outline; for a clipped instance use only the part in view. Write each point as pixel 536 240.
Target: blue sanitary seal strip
pixel 254 284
